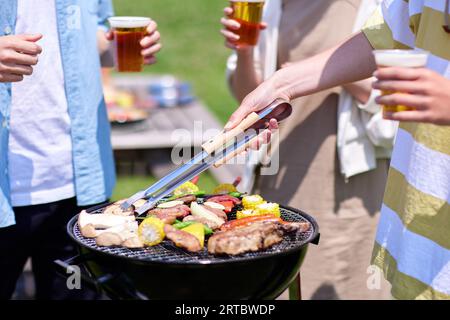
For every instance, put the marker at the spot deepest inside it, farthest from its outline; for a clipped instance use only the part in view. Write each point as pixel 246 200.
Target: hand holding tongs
pixel 215 152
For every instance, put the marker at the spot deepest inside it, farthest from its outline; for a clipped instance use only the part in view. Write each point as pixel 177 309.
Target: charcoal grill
pixel 168 272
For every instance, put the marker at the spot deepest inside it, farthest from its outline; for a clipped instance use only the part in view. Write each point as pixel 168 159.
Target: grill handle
pixel 92 282
pixel 316 239
pixel 66 269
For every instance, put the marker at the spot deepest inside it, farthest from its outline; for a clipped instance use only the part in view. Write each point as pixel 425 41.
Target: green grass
pixel 193 47
pixel 128 185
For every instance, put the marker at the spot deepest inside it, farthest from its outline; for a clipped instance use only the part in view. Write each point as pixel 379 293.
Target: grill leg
pixel 295 290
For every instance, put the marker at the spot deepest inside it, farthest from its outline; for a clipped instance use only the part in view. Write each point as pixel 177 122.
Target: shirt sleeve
pixel 105 11
pixel 388 27
pixel 378 32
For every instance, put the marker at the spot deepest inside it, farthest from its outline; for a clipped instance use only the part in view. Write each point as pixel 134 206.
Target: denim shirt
pixel 93 164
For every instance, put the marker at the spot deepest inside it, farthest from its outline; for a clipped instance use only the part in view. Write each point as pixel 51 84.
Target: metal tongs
pixel 216 152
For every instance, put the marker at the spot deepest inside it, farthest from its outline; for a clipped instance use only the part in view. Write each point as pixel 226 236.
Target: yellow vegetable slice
pixel 246 213
pixel 151 231
pixel 186 188
pixel 250 202
pixel 268 208
pixel 224 188
pixel 198 231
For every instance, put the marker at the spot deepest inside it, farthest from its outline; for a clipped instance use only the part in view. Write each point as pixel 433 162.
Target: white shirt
pixel 40 147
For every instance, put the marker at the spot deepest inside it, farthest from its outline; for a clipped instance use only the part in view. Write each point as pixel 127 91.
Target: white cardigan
pixel 363 136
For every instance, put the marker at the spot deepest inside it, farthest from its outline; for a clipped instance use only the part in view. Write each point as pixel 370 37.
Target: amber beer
pixel 249 15
pixel 399 58
pixel 128 33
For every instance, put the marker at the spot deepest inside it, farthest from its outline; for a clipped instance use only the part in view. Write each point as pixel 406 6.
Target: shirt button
pixel 5 123
pixel 8 30
pixel 6 172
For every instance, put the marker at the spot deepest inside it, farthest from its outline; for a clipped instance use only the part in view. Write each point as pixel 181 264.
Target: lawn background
pixel 193 50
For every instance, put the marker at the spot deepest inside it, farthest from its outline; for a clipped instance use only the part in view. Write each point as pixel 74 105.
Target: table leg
pixel 295 291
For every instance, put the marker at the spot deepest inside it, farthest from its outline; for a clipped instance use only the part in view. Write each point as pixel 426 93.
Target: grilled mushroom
pixel 117 210
pixel 89 223
pixel 133 242
pixel 122 235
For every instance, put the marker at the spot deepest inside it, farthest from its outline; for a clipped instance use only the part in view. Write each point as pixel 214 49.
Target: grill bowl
pixel 167 272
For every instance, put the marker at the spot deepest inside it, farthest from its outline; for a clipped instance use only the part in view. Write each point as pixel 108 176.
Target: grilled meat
pixel 209 223
pixel 220 213
pixel 117 210
pixel 91 223
pixel 257 236
pixel 182 239
pixel 169 215
pixel 224 198
pixel 123 235
pixel 187 199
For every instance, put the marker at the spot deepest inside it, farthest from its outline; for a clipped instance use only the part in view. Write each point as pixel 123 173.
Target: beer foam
pixel 401 58
pixel 129 22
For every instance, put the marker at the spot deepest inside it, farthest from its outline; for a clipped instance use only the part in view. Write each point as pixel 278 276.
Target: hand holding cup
pixel 242 24
pixel 136 41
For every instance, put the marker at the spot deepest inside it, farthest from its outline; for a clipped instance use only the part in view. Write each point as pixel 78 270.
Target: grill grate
pixel 167 252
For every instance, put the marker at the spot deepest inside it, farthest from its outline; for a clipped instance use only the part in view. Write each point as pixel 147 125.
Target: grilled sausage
pixel 223 198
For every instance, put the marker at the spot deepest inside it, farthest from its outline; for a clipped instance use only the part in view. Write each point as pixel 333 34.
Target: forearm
pixel 347 62
pixel 245 78
pixel 104 49
pixel 360 90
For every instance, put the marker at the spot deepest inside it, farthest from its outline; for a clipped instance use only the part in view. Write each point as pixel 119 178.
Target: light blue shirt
pixel 93 164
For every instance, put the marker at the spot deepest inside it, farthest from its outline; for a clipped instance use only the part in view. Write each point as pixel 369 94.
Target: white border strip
pixel 425 169
pixel 438 64
pixel 396 16
pixel 416 256
pixel 438 5
pixel 415 7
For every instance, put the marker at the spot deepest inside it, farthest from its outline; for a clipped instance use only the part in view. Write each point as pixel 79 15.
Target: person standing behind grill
pixel 342 190
pixel 412 247
pixel 55 150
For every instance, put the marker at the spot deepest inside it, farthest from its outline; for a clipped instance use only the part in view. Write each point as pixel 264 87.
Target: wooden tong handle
pixel 236 152
pixel 225 137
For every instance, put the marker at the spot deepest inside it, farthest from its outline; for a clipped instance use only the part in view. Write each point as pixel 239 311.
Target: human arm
pixel 18 53
pixel 360 90
pixel 245 77
pixel 347 62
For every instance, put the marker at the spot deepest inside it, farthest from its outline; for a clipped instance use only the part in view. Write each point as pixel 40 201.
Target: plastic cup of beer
pixel 399 58
pixel 128 33
pixel 249 14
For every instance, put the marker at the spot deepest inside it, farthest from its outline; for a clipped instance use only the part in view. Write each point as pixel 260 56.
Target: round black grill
pixel 167 252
